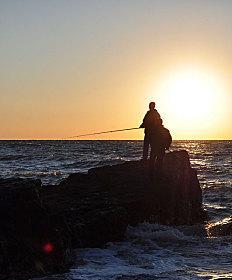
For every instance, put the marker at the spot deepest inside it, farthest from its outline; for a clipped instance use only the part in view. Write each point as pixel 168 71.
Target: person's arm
pixel 143 123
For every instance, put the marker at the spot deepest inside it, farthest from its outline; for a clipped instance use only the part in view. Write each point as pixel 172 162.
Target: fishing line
pixel 103 132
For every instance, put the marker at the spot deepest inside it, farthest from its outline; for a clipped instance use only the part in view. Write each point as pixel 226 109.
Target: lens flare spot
pixel 48 248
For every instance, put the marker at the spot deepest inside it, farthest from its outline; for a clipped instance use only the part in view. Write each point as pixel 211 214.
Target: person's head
pixel 152 105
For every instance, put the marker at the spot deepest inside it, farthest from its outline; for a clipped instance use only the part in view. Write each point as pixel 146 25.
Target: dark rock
pixel 99 206
pixel 39 225
pixel 32 242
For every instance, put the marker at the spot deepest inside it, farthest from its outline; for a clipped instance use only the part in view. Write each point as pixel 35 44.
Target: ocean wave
pixel 155 232
pixel 110 161
pixel 11 157
pixel 214 206
pixel 153 251
pixel 78 164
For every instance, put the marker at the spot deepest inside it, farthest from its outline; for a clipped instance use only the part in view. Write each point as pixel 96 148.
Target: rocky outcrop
pixel 42 224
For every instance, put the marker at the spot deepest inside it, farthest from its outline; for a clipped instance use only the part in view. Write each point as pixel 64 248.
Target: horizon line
pixel 109 139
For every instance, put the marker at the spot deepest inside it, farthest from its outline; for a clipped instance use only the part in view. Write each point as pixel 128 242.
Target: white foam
pixel 155 250
pixel 156 232
pixel 140 254
pixel 121 259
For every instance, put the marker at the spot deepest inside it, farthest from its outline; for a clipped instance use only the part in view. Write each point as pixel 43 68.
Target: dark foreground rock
pixel 32 241
pixel 40 225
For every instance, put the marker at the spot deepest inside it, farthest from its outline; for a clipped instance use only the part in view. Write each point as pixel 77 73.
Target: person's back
pixel 151 123
pixel 161 140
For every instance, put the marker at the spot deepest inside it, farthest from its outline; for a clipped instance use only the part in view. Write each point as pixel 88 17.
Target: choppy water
pixel 149 251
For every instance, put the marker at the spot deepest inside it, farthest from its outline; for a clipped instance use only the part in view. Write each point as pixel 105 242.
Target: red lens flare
pixel 48 248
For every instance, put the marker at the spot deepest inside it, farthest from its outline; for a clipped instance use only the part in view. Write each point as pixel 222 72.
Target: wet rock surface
pixel 40 225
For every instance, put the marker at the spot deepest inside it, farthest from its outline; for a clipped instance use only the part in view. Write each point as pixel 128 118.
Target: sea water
pixel 148 251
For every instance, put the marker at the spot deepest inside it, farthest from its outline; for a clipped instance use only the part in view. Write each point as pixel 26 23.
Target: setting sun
pixel 191 101
pixel 192 94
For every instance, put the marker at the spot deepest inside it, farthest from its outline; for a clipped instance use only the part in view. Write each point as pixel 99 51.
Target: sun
pixel 191 102
pixel 191 95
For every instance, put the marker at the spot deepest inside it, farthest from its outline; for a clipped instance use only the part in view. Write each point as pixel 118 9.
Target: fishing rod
pixel 103 132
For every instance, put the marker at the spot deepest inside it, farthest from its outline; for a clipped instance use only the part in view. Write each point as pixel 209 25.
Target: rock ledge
pixel 40 225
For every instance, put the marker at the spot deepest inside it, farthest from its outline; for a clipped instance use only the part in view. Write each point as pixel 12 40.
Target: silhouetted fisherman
pixel 151 122
pixel 158 137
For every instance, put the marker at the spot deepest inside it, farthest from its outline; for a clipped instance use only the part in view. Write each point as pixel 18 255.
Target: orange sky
pixel 73 67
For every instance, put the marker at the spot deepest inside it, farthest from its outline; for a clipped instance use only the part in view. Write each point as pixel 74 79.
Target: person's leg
pixel 153 157
pixel 146 144
pixel 159 161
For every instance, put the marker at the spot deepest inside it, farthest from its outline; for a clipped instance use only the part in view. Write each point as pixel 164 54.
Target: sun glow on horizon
pixel 191 102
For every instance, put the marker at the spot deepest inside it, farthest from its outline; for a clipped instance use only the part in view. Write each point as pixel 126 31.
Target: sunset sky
pixel 70 67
